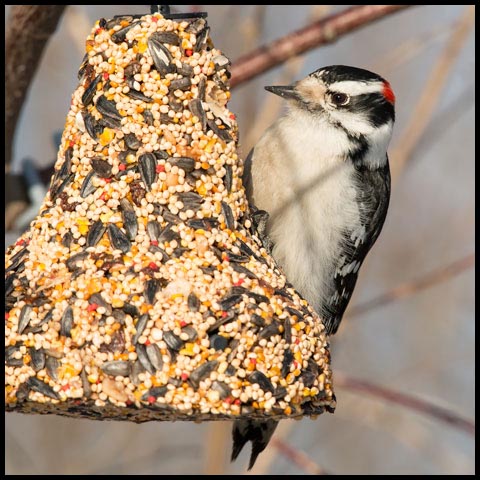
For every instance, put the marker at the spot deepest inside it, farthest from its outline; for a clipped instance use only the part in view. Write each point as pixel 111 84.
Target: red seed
pixel 92 307
pixel 107 180
pixel 20 242
pixel 147 342
pixel 151 399
pixel 65 387
pixel 153 266
pixel 7 316
pixel 237 401
pixel 183 323
pixel 154 242
pixel 122 167
pixel 160 168
pixel 155 19
pixel 188 53
pixel 224 314
pixel 240 281
pixel 184 376
pixel 105 76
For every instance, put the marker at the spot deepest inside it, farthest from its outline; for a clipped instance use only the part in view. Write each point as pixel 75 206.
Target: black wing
pixel 373 198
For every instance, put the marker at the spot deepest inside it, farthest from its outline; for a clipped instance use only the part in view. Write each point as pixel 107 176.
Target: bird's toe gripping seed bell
pixel 142 291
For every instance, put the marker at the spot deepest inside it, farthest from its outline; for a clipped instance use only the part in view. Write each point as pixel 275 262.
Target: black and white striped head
pixel 352 100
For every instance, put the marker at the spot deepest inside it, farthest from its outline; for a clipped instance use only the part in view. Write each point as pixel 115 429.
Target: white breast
pixel 302 180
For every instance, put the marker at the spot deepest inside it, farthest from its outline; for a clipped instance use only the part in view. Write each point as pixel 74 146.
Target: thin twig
pixel 322 32
pixel 432 90
pixel 408 401
pixel 409 288
pixel 29 28
pixel 299 458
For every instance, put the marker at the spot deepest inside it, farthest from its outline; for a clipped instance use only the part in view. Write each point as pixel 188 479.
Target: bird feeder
pixel 142 290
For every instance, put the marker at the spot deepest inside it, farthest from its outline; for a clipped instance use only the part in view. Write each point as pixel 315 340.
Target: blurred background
pixel 410 326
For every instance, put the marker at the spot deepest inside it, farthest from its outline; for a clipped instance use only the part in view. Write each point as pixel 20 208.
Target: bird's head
pixel 352 99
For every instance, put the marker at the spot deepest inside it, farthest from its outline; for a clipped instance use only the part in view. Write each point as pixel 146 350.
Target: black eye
pixel 340 99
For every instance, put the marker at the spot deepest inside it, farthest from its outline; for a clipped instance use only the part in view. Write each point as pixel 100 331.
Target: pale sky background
pixel 422 345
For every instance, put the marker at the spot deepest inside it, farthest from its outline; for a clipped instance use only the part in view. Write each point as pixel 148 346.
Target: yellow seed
pixel 105 217
pixel 117 303
pixel 107 136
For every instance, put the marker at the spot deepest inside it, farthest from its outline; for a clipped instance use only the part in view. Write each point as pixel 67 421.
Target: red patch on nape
pixel 388 93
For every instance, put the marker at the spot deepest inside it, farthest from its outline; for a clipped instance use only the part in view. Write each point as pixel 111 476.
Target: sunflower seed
pixel 222 133
pixel 140 327
pixel 262 380
pixel 90 91
pixel 118 238
pixel 185 70
pixel 94 129
pixel 148 117
pixel 269 331
pixel 153 230
pixel 116 368
pixel 180 84
pixel 143 358
pixel 66 322
pixel 136 369
pixel 167 37
pixel 222 388
pixel 16 259
pixel 87 390
pixel 131 310
pixel 87 185
pixel 108 108
pixel 101 167
pixel 24 318
pixel 196 26
pixel 228 318
pixel 129 219
pixel 132 142
pixel 187 164
pixel 228 178
pixel 228 216
pixel 202 372
pixel 57 188
pixel 37 359
pixel 71 263
pixel 202 38
pixel 174 342
pixel 191 333
pixel 136 95
pixel 229 301
pixel 155 356
pixel 287 331
pixel 218 342
pixel 196 107
pixel 22 393
pixel 41 387
pixel 151 288
pixel 280 392
pixel 117 20
pixel 161 56
pixel 193 302
pixel 257 320
pixel 52 365
pixel 66 167
pixel 95 233
pixel 287 362
pixel 154 392
pixel 101 302
pixel 147 165
pixel 120 35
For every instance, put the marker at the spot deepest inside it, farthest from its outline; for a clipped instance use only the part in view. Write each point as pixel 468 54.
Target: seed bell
pixel 142 290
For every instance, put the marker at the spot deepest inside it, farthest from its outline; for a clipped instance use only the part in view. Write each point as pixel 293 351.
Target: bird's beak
pixel 288 92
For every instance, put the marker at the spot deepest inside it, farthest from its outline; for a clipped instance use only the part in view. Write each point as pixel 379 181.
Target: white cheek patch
pixel 357 88
pixel 354 123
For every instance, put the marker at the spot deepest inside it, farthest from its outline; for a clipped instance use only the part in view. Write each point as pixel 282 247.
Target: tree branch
pixel 322 32
pixel 28 29
pixel 409 288
pixel 299 458
pixel 405 400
